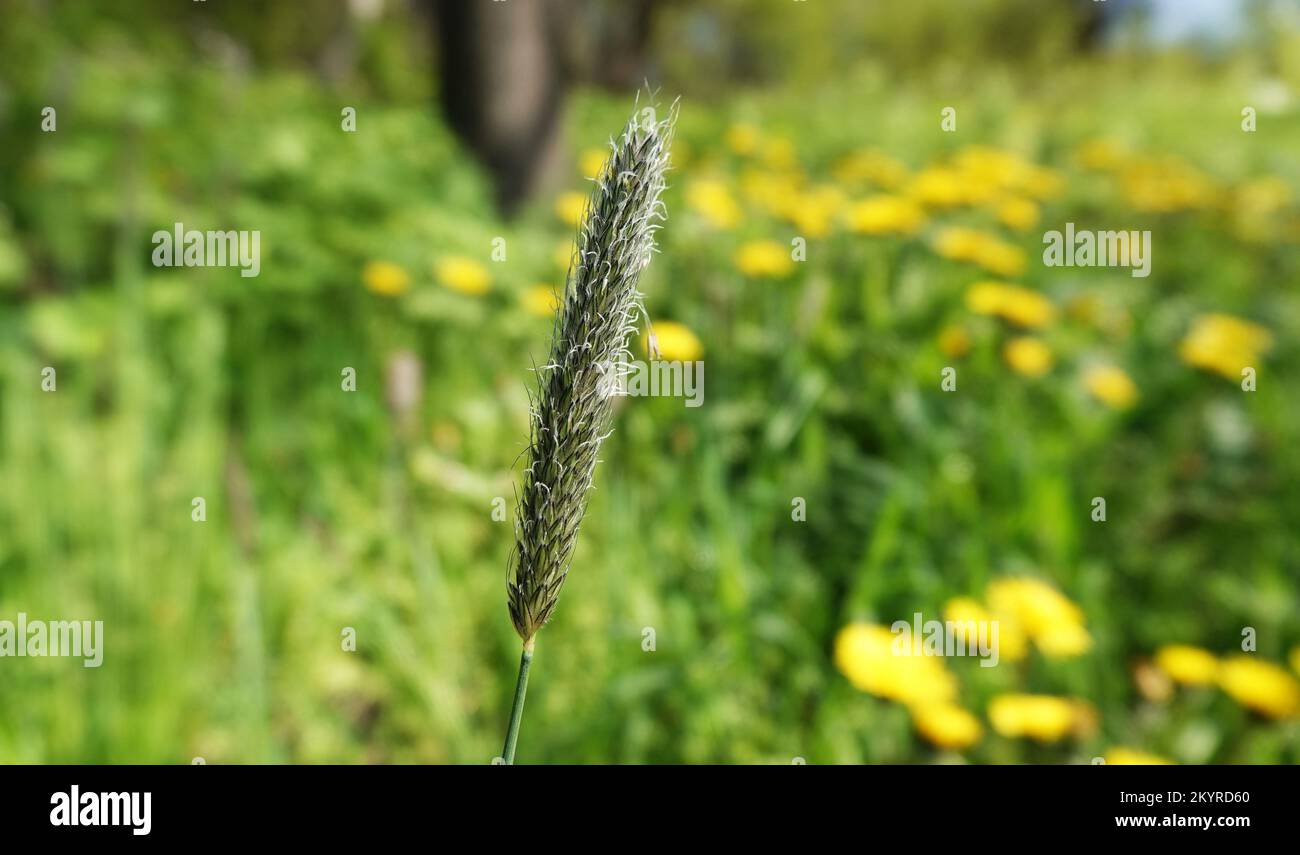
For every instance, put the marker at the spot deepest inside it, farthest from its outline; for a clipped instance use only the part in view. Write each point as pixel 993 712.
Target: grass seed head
pixel 571 408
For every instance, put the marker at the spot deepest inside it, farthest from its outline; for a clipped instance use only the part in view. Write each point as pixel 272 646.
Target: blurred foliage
pixel 373 509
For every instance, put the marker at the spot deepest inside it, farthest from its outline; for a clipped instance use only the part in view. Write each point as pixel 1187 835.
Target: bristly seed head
pixel 571 411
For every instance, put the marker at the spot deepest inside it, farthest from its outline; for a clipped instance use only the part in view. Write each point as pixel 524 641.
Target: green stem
pixel 517 711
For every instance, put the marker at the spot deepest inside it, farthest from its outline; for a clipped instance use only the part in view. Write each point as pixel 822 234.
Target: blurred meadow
pixel 810 122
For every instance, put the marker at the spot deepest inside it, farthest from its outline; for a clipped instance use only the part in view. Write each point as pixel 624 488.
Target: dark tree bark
pixel 502 85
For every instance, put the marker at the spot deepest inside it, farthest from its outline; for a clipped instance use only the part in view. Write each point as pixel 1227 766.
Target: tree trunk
pixel 502 86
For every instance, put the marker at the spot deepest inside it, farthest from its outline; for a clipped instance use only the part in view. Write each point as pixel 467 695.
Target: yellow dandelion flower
pixel 386 278
pixel 982 248
pixel 1164 185
pixel 870 165
pixel 1110 385
pixel 1064 641
pixel 865 654
pixel 1028 356
pixel 958 243
pixel 570 206
pixel 541 300
pixel 991 165
pixel 1225 344
pixel 1260 686
pixel 968 614
pixel 954 341
pixel 946 725
pixel 1018 305
pixel 592 161
pixel 1265 195
pixel 673 342
pixel 1042 183
pixel 712 200
pixel 779 153
pixel 1044 718
pixel 880 215
pixel 775 193
pixel 939 187
pixel 1152 683
pixel 462 274
pixel 1001 258
pixel 759 258
pixel 813 212
pixel 1191 666
pixel 742 138
pixel 1046 615
pixel 1121 756
pixel 1018 213
pixel 1101 154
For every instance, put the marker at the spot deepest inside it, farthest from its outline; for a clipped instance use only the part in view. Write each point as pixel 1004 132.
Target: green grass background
pixel 223 637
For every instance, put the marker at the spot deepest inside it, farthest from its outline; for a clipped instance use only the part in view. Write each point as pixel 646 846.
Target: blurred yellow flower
pixel 1044 718
pixel 967 613
pixel 779 153
pixel 385 277
pixel 1018 305
pixel 1267 194
pixel 1165 185
pixel 570 206
pixel 592 161
pixel 946 725
pixel 1121 756
pixel 1042 183
pixel 674 342
pixel 1054 623
pixel 1028 356
pixel 991 165
pixel 462 274
pixel 1001 258
pixel 773 192
pixel 982 248
pixel 1101 154
pixel 864 653
pixel 1152 683
pixel 1018 213
pixel 712 200
pixel 758 258
pixel 939 187
pixel 870 165
pixel 1224 344
pixel 959 243
pixel 1191 666
pixel 1110 385
pixel 954 341
pixel 813 211
pixel 879 215
pixel 1064 641
pixel 742 138
pixel 541 300
pixel 1260 686
pixel 1256 208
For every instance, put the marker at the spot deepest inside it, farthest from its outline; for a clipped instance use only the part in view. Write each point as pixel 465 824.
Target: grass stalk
pixel 517 710
pixel 571 409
